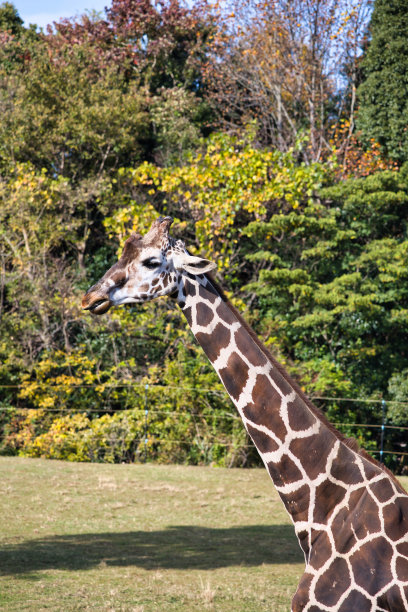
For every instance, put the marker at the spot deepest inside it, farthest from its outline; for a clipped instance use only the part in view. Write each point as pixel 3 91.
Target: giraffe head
pixel 150 266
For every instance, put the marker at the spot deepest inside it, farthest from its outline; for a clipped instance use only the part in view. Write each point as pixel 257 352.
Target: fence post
pixel 383 404
pixel 145 423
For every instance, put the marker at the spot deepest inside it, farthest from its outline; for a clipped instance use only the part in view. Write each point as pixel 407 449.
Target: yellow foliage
pixel 227 179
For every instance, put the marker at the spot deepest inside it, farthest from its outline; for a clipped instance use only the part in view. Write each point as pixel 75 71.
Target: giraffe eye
pixel 121 282
pixel 151 263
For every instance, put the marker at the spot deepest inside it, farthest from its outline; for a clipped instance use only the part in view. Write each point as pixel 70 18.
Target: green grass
pixel 143 538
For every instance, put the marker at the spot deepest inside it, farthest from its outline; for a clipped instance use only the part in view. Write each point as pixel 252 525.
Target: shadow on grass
pixel 184 547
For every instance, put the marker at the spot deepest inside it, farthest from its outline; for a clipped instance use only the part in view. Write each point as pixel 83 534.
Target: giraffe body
pixel 350 515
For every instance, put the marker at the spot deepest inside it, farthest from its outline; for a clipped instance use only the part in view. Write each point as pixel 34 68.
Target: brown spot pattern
pixel 402 548
pixel 383 490
pixel 317 448
pixel 235 375
pixel 204 315
pixel 364 515
pixel 330 495
pixel 263 442
pixel 392 600
pixel 297 503
pixel 358 519
pixel 303 537
pixel 344 539
pixel 249 348
pixel 402 568
pixel 284 471
pixel 300 417
pixel 321 550
pixel 265 407
pixel 396 518
pixel 215 342
pixel 226 314
pixel 371 565
pixel 332 584
pixel 190 287
pixel 271 420
pixel 301 597
pixel 346 457
pixel 370 470
pixel 208 293
pixel 188 314
pixel 355 602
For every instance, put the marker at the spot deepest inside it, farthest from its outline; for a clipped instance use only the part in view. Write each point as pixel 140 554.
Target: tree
pixel 280 63
pixel 216 191
pixel 16 41
pixel 220 187
pixel 336 293
pixel 53 102
pixel 10 20
pixel 398 389
pixel 57 116
pixel 76 104
pixel 162 43
pixel 383 95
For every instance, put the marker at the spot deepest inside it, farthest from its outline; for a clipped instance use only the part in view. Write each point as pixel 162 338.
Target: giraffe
pixel 349 513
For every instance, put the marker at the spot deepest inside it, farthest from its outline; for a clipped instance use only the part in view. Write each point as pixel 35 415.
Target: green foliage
pixel 101 125
pixel 43 259
pixel 224 185
pixel 59 116
pixel 398 390
pixel 17 45
pixel 75 437
pixel 10 20
pixel 336 292
pixel 95 94
pixel 67 394
pixel 383 109
pixel 175 117
pixel 338 278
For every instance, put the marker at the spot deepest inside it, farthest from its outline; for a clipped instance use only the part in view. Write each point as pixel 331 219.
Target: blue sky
pixel 43 12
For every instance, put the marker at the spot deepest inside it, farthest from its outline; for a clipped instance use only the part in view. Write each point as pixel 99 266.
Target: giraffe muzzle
pixel 96 305
pixel 100 307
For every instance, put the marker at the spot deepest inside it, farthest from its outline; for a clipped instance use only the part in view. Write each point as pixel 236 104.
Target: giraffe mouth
pixel 99 307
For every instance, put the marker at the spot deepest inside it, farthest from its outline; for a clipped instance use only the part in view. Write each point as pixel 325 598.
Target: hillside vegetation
pixel 240 123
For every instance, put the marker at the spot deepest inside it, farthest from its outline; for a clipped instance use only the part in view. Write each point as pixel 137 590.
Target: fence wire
pixel 146 412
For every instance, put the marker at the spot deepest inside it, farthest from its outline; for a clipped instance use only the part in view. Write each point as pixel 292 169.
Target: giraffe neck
pixel 310 465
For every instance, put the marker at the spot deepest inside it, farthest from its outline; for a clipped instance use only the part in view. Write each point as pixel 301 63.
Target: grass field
pixel 143 538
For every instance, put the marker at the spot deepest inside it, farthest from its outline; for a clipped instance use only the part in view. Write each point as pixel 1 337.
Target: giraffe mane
pixel 350 442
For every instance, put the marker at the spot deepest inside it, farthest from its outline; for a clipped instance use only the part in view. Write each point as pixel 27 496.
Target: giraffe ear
pixel 195 265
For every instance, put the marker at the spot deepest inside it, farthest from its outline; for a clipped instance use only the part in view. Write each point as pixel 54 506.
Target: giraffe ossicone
pixel 350 514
